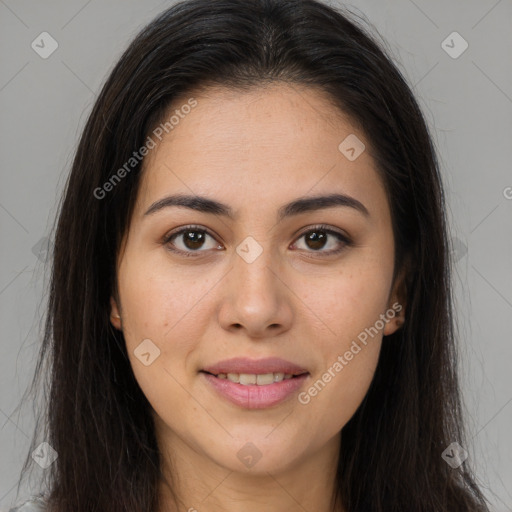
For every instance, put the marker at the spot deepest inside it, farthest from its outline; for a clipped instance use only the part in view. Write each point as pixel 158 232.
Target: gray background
pixel 468 104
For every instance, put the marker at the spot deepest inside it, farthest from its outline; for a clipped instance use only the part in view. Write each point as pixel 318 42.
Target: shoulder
pixel 32 505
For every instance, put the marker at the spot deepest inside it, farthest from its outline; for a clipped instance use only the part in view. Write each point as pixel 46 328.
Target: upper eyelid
pixel 182 229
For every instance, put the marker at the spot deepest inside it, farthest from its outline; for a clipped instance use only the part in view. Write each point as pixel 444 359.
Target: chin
pixel 259 456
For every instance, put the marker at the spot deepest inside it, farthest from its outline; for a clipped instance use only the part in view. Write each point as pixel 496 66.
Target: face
pixel 305 285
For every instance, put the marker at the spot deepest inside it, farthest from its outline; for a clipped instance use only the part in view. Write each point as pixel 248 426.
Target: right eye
pixel 192 240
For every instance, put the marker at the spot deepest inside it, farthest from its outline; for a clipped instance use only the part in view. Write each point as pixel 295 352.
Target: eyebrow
pixel 296 207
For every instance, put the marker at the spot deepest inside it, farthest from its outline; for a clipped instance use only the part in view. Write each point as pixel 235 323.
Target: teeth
pixel 250 379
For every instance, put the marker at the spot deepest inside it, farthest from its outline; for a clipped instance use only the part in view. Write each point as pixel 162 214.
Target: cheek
pixel 350 306
pixel 158 302
pixel 350 302
pixel 163 316
pixel 349 358
pixel 337 391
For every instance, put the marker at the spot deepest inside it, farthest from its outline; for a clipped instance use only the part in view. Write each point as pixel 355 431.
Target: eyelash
pixel 321 227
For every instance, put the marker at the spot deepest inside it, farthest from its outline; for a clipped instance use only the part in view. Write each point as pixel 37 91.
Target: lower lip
pixel 253 396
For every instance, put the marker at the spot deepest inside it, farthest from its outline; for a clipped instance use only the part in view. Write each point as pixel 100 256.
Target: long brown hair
pixel 96 416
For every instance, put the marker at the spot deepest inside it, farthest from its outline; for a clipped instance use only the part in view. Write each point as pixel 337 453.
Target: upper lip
pixel 255 366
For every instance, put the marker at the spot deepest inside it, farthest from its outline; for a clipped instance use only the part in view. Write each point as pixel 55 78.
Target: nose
pixel 255 297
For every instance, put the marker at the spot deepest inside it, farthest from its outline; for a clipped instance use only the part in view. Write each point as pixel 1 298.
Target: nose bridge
pixel 255 298
pixel 253 263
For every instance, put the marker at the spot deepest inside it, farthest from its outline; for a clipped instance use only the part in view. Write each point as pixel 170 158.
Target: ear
pixel 115 315
pixel 397 301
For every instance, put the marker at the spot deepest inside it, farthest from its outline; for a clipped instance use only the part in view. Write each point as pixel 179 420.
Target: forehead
pixel 274 116
pixel 276 142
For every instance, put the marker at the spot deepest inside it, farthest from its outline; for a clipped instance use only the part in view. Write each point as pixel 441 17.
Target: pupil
pixel 318 240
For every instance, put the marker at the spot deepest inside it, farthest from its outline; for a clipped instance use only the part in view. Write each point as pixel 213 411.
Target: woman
pixel 250 303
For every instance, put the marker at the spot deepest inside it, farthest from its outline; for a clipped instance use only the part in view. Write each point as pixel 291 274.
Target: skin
pixel 255 151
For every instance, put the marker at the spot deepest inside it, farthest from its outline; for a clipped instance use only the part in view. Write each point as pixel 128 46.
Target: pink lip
pixel 255 366
pixel 254 396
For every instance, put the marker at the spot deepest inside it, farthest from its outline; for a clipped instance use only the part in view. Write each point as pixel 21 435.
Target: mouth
pixel 255 390
pixel 259 379
pixel 255 383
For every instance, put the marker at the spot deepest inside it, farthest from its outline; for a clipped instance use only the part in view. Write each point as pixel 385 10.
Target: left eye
pixel 317 238
pixel 193 240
